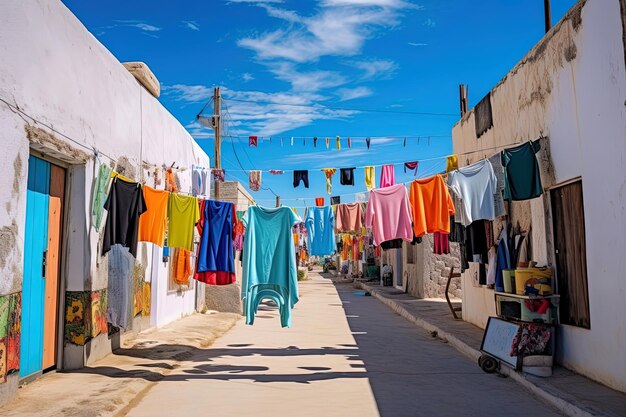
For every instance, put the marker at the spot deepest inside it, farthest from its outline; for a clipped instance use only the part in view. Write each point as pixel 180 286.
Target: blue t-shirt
pixel 216 252
pixel 476 185
pixel 320 224
pixel 269 261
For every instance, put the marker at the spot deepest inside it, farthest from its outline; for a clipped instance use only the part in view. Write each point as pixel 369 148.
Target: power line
pixel 319 105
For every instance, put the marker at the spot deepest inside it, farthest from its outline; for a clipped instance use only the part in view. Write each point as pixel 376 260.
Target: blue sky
pixel 332 56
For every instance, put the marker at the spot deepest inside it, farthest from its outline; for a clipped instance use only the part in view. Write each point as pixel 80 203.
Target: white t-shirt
pixel 476 185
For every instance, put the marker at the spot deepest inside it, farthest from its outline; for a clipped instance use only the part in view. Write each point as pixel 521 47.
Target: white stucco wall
pixel 571 87
pixel 54 70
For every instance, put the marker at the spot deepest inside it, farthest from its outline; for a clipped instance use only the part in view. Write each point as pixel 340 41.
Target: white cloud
pixel 398 4
pixel 346 94
pixel 430 23
pixel 288 15
pixel 306 81
pixel 376 69
pixel 191 24
pixel 417 44
pixel 138 24
pixel 246 76
pixel 188 93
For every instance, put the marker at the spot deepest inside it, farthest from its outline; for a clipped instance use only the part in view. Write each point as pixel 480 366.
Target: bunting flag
pixel 367 141
pixel 276 171
pixel 412 166
pixel 335 200
pixel 338 145
pixel 255 180
pixel 329 172
pixel 319 201
pixel 315 142
pixel 349 143
pixel 218 174
pixel 370 178
pixel 405 141
pixel 452 163
pixel 327 143
pixel 253 141
pixel 292 141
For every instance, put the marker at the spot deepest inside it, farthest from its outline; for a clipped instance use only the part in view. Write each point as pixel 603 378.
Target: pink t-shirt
pixel 388 213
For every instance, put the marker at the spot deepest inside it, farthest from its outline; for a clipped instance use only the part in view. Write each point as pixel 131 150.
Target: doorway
pixel 45 200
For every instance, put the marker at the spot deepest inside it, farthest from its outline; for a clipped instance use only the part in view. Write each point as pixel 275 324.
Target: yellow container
pixel 535 277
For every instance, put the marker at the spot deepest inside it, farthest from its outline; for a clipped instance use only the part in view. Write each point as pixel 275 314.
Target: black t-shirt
pixel 124 206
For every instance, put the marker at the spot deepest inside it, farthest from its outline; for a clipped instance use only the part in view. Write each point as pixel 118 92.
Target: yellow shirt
pixel 183 213
pixel 152 223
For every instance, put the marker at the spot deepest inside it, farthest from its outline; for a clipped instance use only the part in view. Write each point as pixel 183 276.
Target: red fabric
pixel 442 243
pixel 253 141
pixel 319 201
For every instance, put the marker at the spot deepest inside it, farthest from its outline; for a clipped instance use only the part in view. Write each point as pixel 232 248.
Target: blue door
pixel 34 284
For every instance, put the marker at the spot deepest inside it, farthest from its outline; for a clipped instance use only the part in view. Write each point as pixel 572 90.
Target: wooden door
pixel 51 303
pixel 35 248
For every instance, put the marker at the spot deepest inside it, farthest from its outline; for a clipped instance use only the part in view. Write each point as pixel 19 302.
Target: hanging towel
pixel 329 172
pixel 319 201
pixel 452 163
pixel 300 176
pixel 315 142
pixel 277 171
pixel 255 180
pixel 346 176
pixel 183 213
pixel 387 176
pixel 522 177
pixel 370 178
pixel 269 261
pixel 124 205
pixel 412 166
pixel 338 145
pixel 335 200
pixel 99 195
pixel 253 141
pixel 152 223
pixel 218 174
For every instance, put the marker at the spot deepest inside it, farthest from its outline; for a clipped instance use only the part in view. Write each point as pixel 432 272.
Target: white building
pixel 570 88
pixel 65 98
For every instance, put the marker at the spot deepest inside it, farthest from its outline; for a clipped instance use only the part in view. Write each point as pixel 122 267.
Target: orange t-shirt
pixel 152 222
pixel 432 206
pixel 182 266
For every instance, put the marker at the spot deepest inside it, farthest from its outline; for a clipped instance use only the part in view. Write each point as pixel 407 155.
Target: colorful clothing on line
pixel 432 206
pixel 300 176
pixel 198 182
pixel 349 217
pixel 388 214
pixel 170 181
pixel 387 176
pixel 335 200
pixel 346 176
pixel 216 253
pixel 277 171
pixel 328 173
pixel 522 176
pixel 182 266
pixel 327 143
pixel 255 180
pixel 100 195
pixel 320 223
pixel 153 222
pixel 441 244
pixel 253 141
pixel 476 185
pixel 183 213
pixel 338 144
pixel 367 142
pixel 218 174
pixel 412 166
pixel 319 201
pixel 125 204
pixel 370 177
pixel 452 163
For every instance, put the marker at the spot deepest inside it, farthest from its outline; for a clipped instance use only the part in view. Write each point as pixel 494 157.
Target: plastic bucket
pixel 522 276
pixel 508 276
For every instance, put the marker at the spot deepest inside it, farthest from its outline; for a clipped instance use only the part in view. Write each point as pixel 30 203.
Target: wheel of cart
pixel 488 363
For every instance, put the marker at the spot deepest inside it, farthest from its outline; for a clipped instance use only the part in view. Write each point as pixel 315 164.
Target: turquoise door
pixel 34 284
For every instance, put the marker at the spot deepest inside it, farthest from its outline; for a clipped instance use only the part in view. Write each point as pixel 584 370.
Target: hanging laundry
pixel 99 195
pixel 498 198
pixel 218 174
pixel 349 143
pixel 300 176
pixel 522 176
pixel 476 248
pixel 476 185
pixel 198 181
pixel 153 222
pixel 388 214
pixel 216 253
pixel 362 197
pixel 269 262
pixel 335 200
pixel 170 181
pixel 452 163
pixel 292 141
pixel 387 176
pixel 181 266
pixel 503 258
pixel 492 264
pixel 277 171
pixel 412 166
pixel 346 176
pixel 238 231
pixel 255 180
pixel 441 243
pixel 119 289
pixel 370 177
pixel 349 217
pixel 367 142
pixel 328 173
pixel 327 143
pixel 319 201
pixel 405 141
pixel 183 213
pixel 253 141
pixel 124 206
pixel 315 141
pixel 432 206
pixel 338 144
pixel 391 244
pixel 320 224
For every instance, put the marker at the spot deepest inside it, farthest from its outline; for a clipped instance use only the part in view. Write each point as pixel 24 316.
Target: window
pixel 568 221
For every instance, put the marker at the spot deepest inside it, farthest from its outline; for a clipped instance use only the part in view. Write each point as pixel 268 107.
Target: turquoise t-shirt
pixel 320 224
pixel 269 261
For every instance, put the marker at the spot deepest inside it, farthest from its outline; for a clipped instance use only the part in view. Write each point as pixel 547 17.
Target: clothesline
pixel 323 137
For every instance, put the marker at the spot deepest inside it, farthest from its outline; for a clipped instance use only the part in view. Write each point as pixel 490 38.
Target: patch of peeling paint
pixel 44 141
pixel 125 167
pixel 17 174
pixel 8 242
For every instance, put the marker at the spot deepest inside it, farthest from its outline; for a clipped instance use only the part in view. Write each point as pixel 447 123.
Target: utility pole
pixel 547 14
pixel 217 128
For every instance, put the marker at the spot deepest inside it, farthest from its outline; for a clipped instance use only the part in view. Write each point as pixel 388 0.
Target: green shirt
pixel 522 178
pixel 183 213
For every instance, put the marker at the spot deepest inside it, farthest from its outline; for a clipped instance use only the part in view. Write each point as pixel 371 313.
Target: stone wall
pixel 437 268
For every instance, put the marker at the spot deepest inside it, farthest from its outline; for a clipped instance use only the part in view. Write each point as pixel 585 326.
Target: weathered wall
pixel 55 71
pixel 571 88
